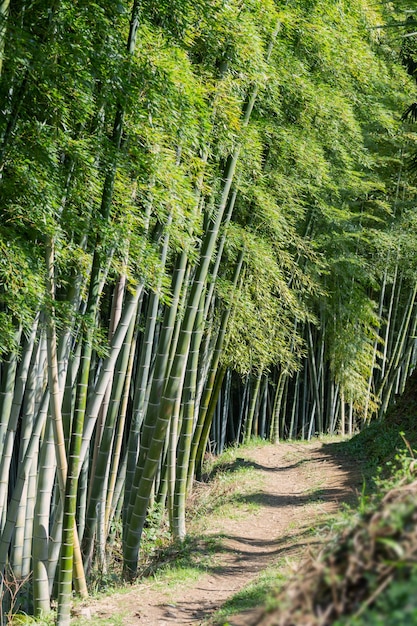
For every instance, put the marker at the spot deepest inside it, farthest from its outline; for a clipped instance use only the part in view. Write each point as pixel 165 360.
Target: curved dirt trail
pixel 299 484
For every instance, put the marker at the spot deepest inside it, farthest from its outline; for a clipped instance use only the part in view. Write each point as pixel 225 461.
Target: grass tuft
pixel 260 592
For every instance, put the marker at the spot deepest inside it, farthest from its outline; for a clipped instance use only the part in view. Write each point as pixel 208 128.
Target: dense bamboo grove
pixel 207 232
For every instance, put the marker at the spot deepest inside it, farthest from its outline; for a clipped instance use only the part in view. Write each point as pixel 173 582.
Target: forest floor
pixel 293 487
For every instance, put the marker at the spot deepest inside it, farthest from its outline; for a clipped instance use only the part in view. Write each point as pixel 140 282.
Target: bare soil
pixel 300 484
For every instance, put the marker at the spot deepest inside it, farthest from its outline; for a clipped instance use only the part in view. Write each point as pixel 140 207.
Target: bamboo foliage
pixel 198 245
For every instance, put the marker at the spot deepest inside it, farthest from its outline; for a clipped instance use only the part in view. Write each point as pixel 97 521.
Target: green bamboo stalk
pixel 263 408
pixel 252 407
pixel 76 458
pixel 7 391
pixel 107 369
pixel 158 382
pixel 371 378
pixel 284 403
pixel 29 522
pixel 71 484
pixel 274 434
pixel 23 472
pixel 144 372
pixel 117 501
pixel 409 363
pixel 178 527
pixel 209 414
pixel 304 401
pixel 342 412
pixel 99 479
pixel 26 369
pixel 294 409
pixel 46 478
pixel 220 248
pixel 22 524
pixel 54 545
pixel 116 464
pixel 315 378
pixel 116 312
pixel 391 317
pixel 82 498
pixel 228 417
pixel 398 349
pixel 335 408
pixel 203 422
pixel 243 409
pixel 142 382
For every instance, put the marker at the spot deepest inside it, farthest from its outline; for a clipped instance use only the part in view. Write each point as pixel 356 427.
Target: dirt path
pixel 299 484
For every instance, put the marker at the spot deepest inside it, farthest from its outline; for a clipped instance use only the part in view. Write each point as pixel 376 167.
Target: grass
pixel 50 620
pixel 21 619
pixel 182 561
pixel 228 482
pixel 260 592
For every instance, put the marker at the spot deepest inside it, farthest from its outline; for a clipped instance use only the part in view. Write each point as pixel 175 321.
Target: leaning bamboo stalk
pixel 23 524
pixel 78 439
pixel 208 420
pixel 274 432
pixel 396 364
pixel 158 381
pixel 408 361
pixel 174 385
pixel 116 464
pixel 99 479
pixel 78 433
pixel 116 312
pixel 184 444
pixel 371 378
pixel 212 386
pixel 315 378
pixel 391 318
pixel 69 529
pixel 144 374
pixel 107 370
pixel 220 248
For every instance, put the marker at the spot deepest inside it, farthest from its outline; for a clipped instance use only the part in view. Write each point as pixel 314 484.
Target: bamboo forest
pixel 208 233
